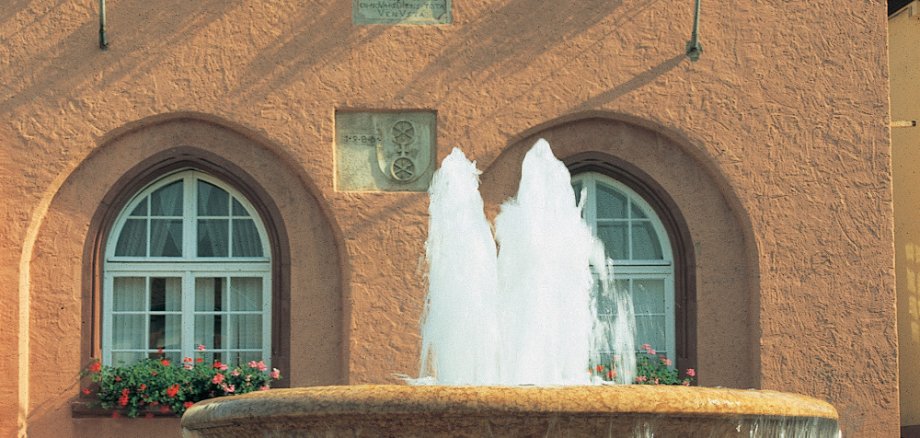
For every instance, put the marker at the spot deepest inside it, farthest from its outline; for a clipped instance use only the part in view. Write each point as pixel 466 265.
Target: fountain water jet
pixel 571 411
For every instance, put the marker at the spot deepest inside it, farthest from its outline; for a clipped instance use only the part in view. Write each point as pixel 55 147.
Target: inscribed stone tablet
pixel 401 11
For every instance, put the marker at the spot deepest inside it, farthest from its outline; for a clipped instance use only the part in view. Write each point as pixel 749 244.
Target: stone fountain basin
pixel 571 411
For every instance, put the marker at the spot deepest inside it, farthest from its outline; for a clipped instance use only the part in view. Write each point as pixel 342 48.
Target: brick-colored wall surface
pixel 777 137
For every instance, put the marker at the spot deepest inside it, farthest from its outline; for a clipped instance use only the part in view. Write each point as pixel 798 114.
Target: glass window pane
pixel 209 331
pixel 209 294
pixel 238 209
pixel 648 296
pixel 212 200
pixel 577 188
pixel 606 302
pixel 141 209
pixel 133 239
pixel 246 241
pixel 165 238
pixel 244 357
pixel 645 241
pixel 165 331
pixel 213 237
pixel 165 294
pixel 126 357
pixel 128 332
pixel 167 201
pixel 614 237
pixel 635 211
pixel 129 294
pixel 611 204
pixel 246 293
pixel 650 330
pixel 245 331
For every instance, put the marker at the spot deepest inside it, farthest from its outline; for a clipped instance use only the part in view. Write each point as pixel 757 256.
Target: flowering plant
pixel 651 369
pixel 158 385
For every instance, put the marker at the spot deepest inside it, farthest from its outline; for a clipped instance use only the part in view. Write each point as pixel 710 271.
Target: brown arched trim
pixel 678 232
pixel 152 169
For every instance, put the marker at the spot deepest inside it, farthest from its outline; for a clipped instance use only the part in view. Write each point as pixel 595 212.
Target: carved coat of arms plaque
pixel 399 145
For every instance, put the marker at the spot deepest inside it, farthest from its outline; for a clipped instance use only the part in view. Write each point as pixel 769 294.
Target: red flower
pixel 611 374
pixel 172 390
pixel 199 359
pixel 187 404
pixel 118 378
pixel 220 366
pixel 275 374
pixel 599 368
pixel 165 409
pixel 123 400
pixel 95 367
pixel 217 379
pixel 142 387
pixel 165 362
pixel 86 391
pixel 691 372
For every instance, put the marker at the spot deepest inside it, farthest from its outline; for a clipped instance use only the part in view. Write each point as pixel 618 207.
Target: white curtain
pixel 128 329
pixel 166 234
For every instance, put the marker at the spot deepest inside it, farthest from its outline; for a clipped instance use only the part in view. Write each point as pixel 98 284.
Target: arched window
pixel 640 255
pixel 187 263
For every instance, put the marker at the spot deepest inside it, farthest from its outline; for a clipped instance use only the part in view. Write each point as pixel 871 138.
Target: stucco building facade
pixel 768 163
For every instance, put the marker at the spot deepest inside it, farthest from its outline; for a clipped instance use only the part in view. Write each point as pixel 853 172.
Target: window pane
pixel 126 357
pixel 238 209
pixel 246 293
pixel 213 237
pixel 648 296
pixel 611 204
pixel 133 239
pixel 167 201
pixel 212 200
pixel 209 331
pixel 645 242
pixel 650 330
pixel 247 356
pixel 606 302
pixel 209 294
pixel 577 188
pixel 165 294
pixel 165 238
pixel 614 237
pixel 636 212
pixel 245 331
pixel 246 241
pixel 141 209
pixel 129 294
pixel 165 331
pixel 128 332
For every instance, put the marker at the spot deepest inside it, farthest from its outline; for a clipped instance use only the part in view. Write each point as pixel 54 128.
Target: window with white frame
pixel 639 254
pixel 187 263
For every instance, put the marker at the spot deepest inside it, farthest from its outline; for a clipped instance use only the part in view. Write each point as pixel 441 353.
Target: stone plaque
pixel 384 151
pixel 401 11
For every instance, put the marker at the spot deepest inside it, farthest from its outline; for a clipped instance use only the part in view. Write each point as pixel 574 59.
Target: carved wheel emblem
pixel 403 169
pixel 403 133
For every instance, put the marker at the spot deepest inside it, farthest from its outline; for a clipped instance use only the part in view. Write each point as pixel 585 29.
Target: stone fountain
pixel 507 339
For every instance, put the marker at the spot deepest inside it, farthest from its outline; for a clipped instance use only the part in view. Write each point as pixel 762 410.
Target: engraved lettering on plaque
pixel 401 11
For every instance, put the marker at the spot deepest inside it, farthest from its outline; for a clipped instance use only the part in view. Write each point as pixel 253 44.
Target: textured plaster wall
pixel 904 35
pixel 786 114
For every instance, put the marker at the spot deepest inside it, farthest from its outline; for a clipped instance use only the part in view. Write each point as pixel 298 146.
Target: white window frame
pixel 187 267
pixel 637 269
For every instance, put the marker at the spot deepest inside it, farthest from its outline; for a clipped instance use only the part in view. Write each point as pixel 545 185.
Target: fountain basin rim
pixel 381 400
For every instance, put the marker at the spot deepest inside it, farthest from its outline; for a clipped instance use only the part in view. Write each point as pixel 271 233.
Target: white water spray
pixel 529 315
